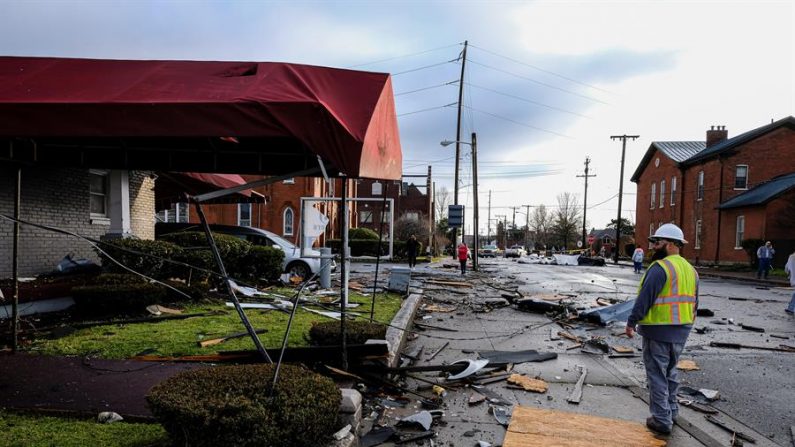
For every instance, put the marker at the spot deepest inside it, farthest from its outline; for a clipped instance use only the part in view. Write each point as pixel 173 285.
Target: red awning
pixel 171 187
pixel 179 115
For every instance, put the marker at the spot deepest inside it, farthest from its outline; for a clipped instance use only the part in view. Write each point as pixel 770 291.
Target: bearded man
pixel 664 313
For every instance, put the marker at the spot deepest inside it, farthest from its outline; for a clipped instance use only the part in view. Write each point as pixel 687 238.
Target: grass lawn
pixel 33 431
pixel 181 337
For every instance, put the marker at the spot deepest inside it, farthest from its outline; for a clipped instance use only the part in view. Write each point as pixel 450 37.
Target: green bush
pixel 117 279
pixel 197 291
pixel 362 233
pixel 232 406
pixel 203 260
pixel 366 247
pixel 117 298
pixel 231 248
pixel 262 263
pixel 327 333
pixel 150 263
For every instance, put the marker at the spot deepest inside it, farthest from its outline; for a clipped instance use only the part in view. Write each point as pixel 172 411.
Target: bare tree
pixel 441 202
pixel 567 219
pixel 540 223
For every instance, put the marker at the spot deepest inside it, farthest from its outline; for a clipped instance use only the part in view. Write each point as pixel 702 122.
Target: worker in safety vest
pixel 664 312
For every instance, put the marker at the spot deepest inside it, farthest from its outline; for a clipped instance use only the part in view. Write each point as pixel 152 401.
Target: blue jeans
pixel 638 267
pixel 660 360
pixel 764 267
pixel 791 306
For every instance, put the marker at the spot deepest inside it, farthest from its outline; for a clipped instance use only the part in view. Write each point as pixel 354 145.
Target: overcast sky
pixel 546 83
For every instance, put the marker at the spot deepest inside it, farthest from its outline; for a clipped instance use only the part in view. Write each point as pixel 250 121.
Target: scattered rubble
pixel 576 394
pixel 528 384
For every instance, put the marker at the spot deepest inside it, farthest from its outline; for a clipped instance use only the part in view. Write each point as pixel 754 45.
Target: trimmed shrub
pixel 327 333
pixel 202 259
pixel 364 247
pixel 150 263
pixel 262 263
pixel 362 233
pixel 231 406
pixel 197 291
pixel 232 249
pixel 117 279
pixel 117 298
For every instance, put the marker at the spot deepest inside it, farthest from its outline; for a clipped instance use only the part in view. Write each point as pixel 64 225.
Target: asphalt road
pixel 757 387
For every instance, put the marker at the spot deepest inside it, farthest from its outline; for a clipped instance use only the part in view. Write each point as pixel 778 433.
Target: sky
pixel 546 84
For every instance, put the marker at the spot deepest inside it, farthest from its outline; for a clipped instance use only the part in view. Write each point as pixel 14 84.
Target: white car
pixel 293 263
pixel 516 251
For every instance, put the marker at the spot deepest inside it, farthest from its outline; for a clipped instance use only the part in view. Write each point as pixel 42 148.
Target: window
pixel 413 215
pixel 289 181
pixel 377 189
pixel 365 216
pixel 700 191
pixel 98 191
pixel 651 233
pixel 662 193
pixel 606 240
pixel 244 214
pixel 673 191
pixel 653 195
pixel 739 233
pixel 287 222
pixel 741 177
pixel 178 212
pixel 698 235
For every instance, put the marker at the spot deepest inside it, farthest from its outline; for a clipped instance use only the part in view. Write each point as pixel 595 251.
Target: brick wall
pixel 57 198
pixel 142 204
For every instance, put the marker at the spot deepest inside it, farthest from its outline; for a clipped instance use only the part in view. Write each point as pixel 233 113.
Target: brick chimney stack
pixel 716 134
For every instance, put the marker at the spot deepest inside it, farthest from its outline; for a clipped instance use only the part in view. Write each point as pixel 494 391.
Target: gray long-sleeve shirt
pixel 653 283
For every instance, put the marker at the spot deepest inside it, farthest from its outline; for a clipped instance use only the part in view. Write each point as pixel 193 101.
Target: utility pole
pixel 458 138
pixel 474 143
pixel 488 225
pixel 623 139
pixel 526 225
pixel 513 223
pixel 585 201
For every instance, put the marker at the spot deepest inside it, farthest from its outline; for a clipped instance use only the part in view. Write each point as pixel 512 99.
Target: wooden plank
pixel 535 427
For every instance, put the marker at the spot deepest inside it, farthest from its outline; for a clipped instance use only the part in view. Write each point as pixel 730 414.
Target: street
pixel 756 388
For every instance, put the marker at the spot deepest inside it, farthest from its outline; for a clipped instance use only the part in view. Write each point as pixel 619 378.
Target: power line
pixel 505 118
pixel 585 84
pixel 528 100
pixel 405 55
pixel 426 88
pixel 427 110
pixel 422 68
pixel 539 82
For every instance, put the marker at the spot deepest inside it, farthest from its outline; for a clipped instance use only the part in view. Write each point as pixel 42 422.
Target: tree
pixel 627 227
pixel 407 225
pixel 540 222
pixel 566 220
pixel 441 202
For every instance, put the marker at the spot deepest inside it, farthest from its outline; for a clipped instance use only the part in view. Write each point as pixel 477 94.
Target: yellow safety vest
pixel 676 302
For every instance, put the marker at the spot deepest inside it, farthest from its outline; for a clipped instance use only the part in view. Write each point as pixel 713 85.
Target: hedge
pixel 327 333
pixel 232 406
pixel 362 233
pixel 106 299
pixel 366 247
pixel 153 265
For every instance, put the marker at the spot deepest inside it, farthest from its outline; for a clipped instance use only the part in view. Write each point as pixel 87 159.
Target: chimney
pixel 716 134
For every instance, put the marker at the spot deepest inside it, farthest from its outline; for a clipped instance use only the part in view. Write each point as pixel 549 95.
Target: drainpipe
pixel 720 200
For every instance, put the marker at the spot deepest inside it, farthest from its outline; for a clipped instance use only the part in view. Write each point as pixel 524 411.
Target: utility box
pixel 399 279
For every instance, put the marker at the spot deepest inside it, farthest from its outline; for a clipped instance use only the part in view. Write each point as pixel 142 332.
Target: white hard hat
pixel 670 232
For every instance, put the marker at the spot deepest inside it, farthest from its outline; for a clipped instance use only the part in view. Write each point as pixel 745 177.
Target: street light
pixel 474 145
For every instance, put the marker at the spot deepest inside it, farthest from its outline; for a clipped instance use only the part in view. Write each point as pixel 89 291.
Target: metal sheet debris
pixel 472 367
pixel 423 419
pixel 517 357
pixel 501 414
pixel 376 436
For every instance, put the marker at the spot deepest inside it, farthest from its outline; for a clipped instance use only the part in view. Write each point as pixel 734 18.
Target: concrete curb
pixel 395 337
pixel 760 282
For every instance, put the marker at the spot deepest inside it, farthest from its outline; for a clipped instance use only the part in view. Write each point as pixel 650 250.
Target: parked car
pixel 489 251
pixel 293 263
pixel 591 260
pixel 516 251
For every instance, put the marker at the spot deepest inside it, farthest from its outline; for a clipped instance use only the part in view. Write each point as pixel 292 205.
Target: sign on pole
pixel 455 216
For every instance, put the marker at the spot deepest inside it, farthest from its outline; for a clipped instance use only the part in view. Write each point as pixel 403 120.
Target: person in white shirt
pixel 765 254
pixel 790 269
pixel 637 259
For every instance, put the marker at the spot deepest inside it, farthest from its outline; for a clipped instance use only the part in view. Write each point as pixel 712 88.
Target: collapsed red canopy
pixel 171 187
pixel 288 112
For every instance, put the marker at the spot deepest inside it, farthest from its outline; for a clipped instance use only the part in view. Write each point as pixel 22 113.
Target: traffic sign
pixel 455 216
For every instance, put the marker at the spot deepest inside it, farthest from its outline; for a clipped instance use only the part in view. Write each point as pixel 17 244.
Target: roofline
pixel 762 203
pixel 647 158
pixel 741 139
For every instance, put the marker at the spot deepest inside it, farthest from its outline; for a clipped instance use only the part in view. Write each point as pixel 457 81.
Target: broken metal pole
pixel 344 269
pixel 222 270
pixel 15 264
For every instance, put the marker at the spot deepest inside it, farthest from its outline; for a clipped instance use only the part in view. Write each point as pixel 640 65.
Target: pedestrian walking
pixel 790 269
pixel 412 247
pixel 462 256
pixel 664 312
pixel 765 254
pixel 637 259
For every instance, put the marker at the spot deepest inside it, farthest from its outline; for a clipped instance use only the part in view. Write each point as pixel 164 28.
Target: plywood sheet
pixel 533 427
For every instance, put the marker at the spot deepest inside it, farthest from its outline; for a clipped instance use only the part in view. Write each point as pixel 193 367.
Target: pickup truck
pixel 515 251
pixel 489 251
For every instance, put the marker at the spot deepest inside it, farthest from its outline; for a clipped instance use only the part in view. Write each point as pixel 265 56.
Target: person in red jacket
pixel 462 256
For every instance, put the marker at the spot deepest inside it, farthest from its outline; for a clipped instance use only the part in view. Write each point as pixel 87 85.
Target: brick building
pixel 92 203
pixel 281 212
pixel 722 191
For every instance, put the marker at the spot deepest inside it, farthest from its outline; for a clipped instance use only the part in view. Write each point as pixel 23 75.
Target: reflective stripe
pixel 673 275
pixel 675 319
pixel 675 304
pixel 675 299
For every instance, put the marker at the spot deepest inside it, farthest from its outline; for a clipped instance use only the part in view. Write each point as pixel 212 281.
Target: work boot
pixel 657 427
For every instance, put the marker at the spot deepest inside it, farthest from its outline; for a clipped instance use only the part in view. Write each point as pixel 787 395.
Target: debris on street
pixel 723 425
pixel 528 384
pixel 576 394
pixel 517 357
pixel 687 365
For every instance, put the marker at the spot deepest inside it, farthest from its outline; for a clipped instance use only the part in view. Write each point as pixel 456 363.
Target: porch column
pixel 119 203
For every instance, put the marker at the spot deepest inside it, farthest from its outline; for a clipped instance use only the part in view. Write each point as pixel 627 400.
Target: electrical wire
pixel 405 55
pixel 544 84
pixel 426 110
pixel 535 67
pixel 528 100
pixel 504 118
pixel 424 67
pixel 426 88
